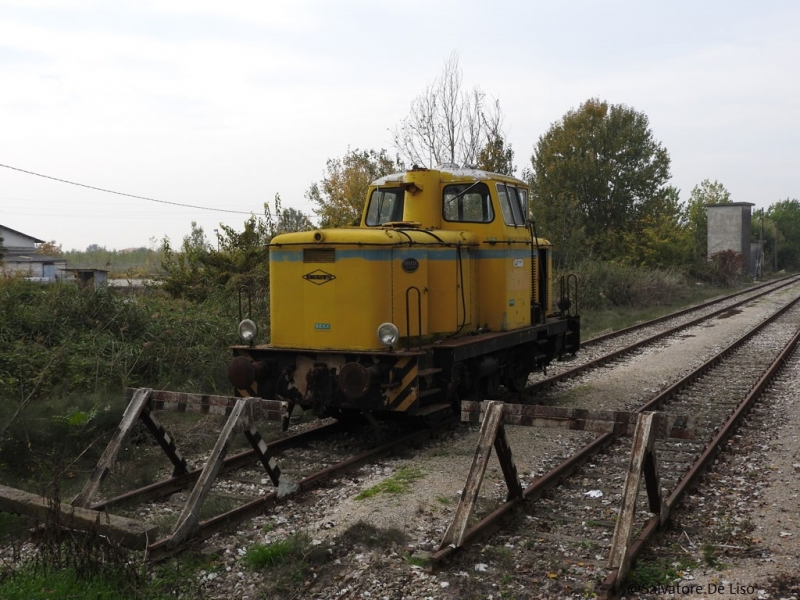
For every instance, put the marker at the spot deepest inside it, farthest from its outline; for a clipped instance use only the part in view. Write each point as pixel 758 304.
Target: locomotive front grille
pixel 319 255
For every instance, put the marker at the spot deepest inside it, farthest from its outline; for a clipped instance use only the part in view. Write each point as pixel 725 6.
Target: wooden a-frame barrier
pixel 242 414
pixel 643 427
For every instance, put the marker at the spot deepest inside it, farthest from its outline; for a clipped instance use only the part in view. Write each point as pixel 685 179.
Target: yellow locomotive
pixel 443 292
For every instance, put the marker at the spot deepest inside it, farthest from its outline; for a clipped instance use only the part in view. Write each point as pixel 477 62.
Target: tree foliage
pixel 785 215
pixel 199 271
pixel 291 220
pixel 662 239
pixel 496 156
pixel 447 124
pixel 596 175
pixel 339 198
pixel 50 248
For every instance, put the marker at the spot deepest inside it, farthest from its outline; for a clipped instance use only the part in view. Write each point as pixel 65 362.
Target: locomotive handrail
pixel 246 289
pixel 419 314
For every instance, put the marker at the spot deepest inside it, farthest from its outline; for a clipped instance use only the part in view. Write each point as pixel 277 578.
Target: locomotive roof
pixel 451 173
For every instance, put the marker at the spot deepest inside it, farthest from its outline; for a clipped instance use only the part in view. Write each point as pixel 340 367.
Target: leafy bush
pixel 603 285
pixel 724 269
pixel 58 339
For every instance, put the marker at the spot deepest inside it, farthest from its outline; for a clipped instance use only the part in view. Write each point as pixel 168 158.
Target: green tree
pixel 50 248
pixel 291 220
pixel 662 238
pixel 785 214
pixel 447 124
pixel 596 173
pixel 496 157
pixel 339 198
pixel 702 194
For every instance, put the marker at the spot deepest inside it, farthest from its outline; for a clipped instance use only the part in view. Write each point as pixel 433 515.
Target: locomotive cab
pixel 442 292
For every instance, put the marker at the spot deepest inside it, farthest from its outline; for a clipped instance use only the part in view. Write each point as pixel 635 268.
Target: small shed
pixel 729 229
pixel 87 276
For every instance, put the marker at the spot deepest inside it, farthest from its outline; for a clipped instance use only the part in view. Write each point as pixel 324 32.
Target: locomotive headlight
pixel 248 331
pixel 388 334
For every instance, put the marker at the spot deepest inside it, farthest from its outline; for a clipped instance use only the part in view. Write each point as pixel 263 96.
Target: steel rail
pixel 606 358
pixel 230 463
pixel 552 478
pixel 784 281
pixel 161 549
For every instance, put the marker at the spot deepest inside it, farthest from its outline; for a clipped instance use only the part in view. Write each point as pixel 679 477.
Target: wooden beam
pixel 135 407
pixel 189 519
pixel 576 419
pixel 268 410
pixel 469 495
pixel 166 442
pixel 643 442
pixel 126 532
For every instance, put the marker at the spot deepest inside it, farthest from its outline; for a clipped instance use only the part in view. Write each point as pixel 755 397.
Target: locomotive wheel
pixel 488 388
pixel 517 374
pixel 517 380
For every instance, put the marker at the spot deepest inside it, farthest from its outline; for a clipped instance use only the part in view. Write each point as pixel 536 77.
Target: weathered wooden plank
pixel 135 407
pixel 599 421
pixel 281 481
pixel 166 441
pixel 268 410
pixel 126 532
pixel 491 424
pixel 643 440
pixel 652 483
pixel 507 465
pixel 189 518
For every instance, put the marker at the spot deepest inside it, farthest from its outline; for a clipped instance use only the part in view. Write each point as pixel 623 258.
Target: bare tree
pixel 447 124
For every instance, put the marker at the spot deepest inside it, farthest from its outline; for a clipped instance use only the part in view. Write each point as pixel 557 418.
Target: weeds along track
pixel 604 349
pixel 568 531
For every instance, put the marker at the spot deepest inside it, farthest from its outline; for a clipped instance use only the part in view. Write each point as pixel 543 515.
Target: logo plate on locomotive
pixel 319 277
pixel 410 265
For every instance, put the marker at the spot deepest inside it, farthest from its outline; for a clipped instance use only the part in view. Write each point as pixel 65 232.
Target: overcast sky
pixel 224 104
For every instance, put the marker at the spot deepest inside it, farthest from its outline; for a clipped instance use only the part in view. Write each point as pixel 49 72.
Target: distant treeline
pixel 133 263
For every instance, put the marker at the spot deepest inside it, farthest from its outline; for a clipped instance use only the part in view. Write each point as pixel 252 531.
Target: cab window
pixel 510 205
pixel 385 206
pixel 523 202
pixel 467 202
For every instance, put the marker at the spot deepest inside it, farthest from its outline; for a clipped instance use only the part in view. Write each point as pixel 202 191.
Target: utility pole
pixel 760 265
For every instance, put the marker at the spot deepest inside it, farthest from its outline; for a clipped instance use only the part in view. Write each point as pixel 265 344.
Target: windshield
pixel 385 206
pixel 468 203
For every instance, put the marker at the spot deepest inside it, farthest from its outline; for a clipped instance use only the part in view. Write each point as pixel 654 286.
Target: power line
pixel 91 187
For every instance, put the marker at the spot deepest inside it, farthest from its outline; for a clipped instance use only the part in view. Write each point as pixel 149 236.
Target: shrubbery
pixel 723 269
pixel 605 285
pixel 61 338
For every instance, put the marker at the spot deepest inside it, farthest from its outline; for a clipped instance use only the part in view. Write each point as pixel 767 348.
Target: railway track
pixel 570 527
pixel 244 483
pixel 604 349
